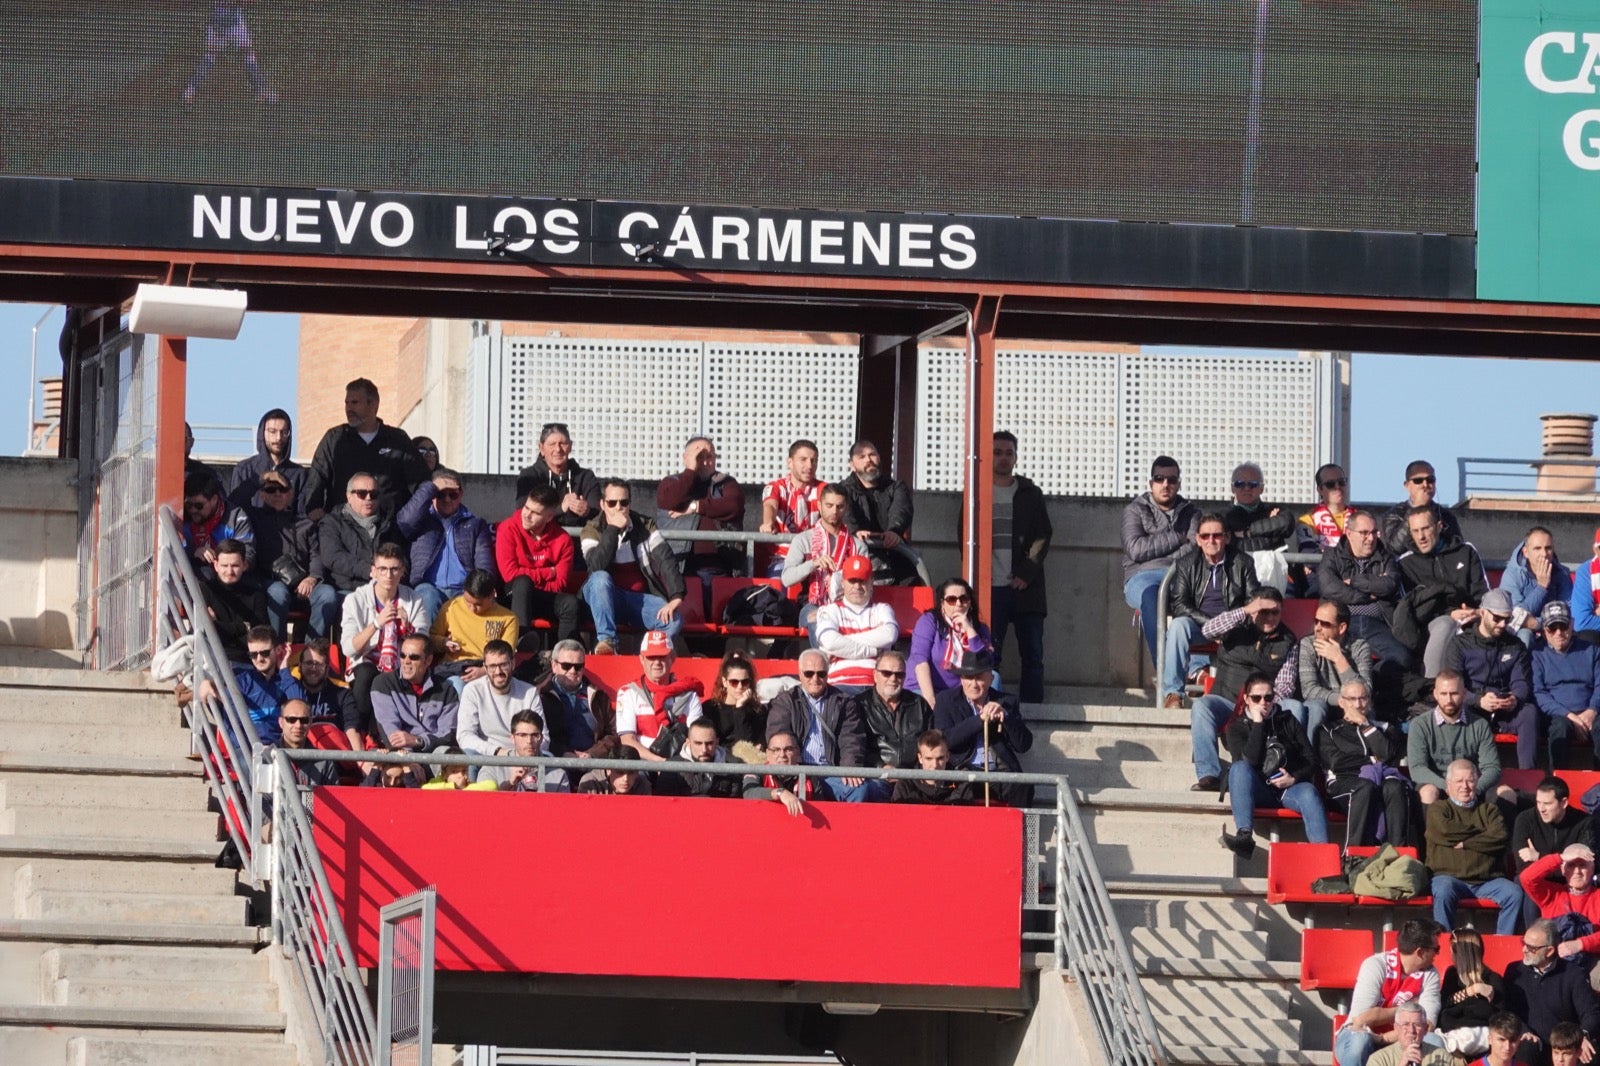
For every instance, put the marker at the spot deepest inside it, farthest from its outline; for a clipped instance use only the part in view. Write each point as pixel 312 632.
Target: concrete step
pixel 1104 707
pixel 123 793
pixel 1217 999
pixel 163 994
pixel 141 908
pixel 166 935
pixel 125 1018
pixel 166 878
pixel 108 743
pixel 76 847
pixel 137 962
pixel 1094 775
pixel 1215 969
pixel 1186 887
pixel 1188 915
pixel 156 1050
pixel 1223 1031
pixel 1136 842
pixel 1189 1055
pixel 1201 943
pixel 18 675
pixel 67 707
pixel 194 825
pixel 1117 743
pixel 55 762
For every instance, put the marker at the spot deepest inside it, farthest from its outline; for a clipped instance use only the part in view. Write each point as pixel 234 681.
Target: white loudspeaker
pixel 174 311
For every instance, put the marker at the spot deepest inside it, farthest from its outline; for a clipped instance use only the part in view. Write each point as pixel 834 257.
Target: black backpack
pixel 760 605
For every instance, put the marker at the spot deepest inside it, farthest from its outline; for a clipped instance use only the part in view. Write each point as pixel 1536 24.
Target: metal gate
pixel 405 980
pixel 116 504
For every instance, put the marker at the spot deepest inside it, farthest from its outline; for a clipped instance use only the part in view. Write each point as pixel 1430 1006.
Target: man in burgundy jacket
pixel 702 497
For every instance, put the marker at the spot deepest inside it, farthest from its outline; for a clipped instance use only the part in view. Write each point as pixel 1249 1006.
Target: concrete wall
pixel 38 552
pixel 1089 636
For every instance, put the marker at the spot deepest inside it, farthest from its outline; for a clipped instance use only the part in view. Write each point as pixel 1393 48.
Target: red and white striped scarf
pixel 838 549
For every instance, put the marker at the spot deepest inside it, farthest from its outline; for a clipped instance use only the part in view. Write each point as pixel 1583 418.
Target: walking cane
pixel 986 761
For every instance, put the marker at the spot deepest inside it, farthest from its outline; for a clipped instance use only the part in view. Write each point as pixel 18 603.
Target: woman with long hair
pixel 1273 766
pixel 740 717
pixel 1469 996
pixel 944 638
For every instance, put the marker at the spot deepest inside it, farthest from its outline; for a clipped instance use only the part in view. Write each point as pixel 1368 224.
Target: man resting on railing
pixel 934 754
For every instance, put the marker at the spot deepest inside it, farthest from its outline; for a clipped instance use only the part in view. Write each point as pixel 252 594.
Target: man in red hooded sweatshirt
pixel 535 556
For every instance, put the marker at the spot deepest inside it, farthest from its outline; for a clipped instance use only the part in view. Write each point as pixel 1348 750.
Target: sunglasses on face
pixel 296 721
pixel 449 494
pixel 957 599
pixel 363 494
pixel 898 675
pixel 1501 618
pixel 1165 479
pixel 1259 697
pixel 616 503
pixel 813 674
pixel 1247 484
pixel 412 657
pixel 264 654
pixel 1209 536
pixel 559 665
pixel 1336 483
pixel 1425 480
pixel 274 490
pixel 426 450
pixel 736 682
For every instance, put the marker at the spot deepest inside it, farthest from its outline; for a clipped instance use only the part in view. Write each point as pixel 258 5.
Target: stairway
pixel 121 943
pixel 1219 967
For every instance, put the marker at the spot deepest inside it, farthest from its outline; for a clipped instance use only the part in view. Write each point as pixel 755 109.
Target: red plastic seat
pixel 908 603
pixel 1329 958
pixel 1498 951
pixel 1292 867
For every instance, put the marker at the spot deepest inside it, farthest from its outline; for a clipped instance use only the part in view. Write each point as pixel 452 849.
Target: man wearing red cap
pixel 853 630
pixel 654 712
pixel 1586 597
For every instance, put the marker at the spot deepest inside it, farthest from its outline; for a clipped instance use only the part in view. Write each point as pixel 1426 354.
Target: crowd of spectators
pixel 423 627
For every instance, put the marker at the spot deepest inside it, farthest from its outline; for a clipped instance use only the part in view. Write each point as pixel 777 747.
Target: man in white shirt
pixel 853 630
pixel 377 617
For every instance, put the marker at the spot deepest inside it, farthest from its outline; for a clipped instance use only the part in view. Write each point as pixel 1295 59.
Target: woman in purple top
pixel 943 637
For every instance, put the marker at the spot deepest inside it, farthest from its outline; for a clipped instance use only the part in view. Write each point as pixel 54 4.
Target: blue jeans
pixel 1141 591
pixel 1206 716
pixel 808 622
pixel 1380 638
pixel 1352 1047
pixel 1030 641
pixel 433 597
pixel 1309 714
pixel 1449 891
pixel 843 793
pixel 324 602
pixel 879 790
pixel 607 603
pixel 1181 632
pixel 1247 790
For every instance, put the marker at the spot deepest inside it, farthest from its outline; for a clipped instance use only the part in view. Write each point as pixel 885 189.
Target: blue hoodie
pixel 1525 592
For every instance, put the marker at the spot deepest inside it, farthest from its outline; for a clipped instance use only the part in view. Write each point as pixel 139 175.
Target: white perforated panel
pixel 630 405
pixel 941 395
pixel 760 398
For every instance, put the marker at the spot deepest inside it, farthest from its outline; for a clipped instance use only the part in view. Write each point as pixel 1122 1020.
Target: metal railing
pixel 255 789
pixel 1085 939
pixel 1520 477
pixel 750 539
pixel 1311 558
pixel 405 979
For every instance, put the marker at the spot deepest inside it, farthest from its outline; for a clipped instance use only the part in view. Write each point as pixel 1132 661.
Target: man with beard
pixel 880 512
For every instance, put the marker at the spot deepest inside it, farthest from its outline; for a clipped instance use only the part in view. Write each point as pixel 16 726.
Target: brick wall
pixel 335 349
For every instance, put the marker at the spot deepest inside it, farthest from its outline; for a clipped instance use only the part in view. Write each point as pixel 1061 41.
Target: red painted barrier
pixel 690 887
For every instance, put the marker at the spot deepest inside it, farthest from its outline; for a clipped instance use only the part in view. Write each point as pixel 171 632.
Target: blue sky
pixel 1402 407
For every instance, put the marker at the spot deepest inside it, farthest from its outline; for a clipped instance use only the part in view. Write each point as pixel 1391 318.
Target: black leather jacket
pixel 1191 572
pixel 894 735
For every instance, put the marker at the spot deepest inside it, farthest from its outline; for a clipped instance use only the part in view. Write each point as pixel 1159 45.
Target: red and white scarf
pixel 838 548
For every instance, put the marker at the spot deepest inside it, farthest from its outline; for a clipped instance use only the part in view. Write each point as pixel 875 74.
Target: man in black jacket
pixel 287 557
pixel 234 599
pixel 879 515
pixel 1421 484
pixel 1498 674
pixel 1360 573
pixel 632 571
pixel 1022 533
pixel 1444 582
pixel 348 535
pixel 363 443
pixel 827 724
pixel 1254 525
pixel 894 718
pixel 984 728
pixel 1545 989
pixel 1205 582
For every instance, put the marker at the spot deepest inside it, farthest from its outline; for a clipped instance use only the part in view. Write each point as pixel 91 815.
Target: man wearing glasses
pixel 1548 991
pixel 827 723
pixel 1156 527
pixel 1323 525
pixel 1566 684
pixel 1421 484
pixel 1253 524
pixel 894 718
pixel 579 716
pixel 488 705
pixel 293 732
pixel 286 548
pixel 1328 657
pixel 447 540
pixel 632 572
pixel 1360 573
pixel 264 686
pixel 1498 675
pixel 1250 640
pixel 414 710
pixel 347 535
pixel 1206 583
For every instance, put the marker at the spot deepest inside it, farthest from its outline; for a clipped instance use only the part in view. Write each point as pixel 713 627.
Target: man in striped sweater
pixel 853 630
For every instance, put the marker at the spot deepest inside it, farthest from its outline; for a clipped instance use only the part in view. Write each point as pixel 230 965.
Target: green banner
pixel 1539 151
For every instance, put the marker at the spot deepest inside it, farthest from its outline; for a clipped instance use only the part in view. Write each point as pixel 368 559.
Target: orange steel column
pixel 172 387
pixel 977 515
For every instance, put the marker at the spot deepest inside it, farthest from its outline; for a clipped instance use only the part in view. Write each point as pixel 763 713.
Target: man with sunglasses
pixel 264 686
pixel 447 540
pixel 578 716
pixel 1323 525
pixel 1421 485
pixel 1444 582
pixel 1329 656
pixel 1551 993
pixel 632 571
pixel 1205 583
pixel 1250 640
pixel 347 535
pixel 1157 527
pixel 292 731
pixel 1498 674
pixel 286 548
pixel 1253 524
pixel 413 709
pixel 894 718
pixel 827 723
pixel 208 521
